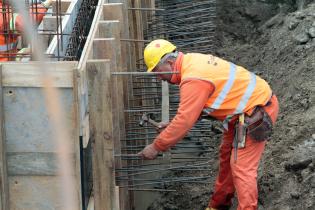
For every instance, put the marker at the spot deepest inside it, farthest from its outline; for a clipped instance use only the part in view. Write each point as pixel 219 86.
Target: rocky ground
pixel 277 42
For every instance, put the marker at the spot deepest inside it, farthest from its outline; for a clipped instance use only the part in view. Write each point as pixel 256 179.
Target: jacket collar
pixel 176 78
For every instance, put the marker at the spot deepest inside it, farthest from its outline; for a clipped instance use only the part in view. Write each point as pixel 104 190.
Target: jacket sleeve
pixel 193 96
pixel 37 14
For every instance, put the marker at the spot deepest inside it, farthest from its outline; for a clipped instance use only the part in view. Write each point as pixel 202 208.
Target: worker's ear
pixel 170 61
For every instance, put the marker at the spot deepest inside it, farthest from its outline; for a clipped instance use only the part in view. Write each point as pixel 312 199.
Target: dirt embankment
pixel 277 42
pixel 281 50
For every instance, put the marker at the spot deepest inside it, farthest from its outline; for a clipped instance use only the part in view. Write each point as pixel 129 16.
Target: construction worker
pixel 11 26
pixel 244 103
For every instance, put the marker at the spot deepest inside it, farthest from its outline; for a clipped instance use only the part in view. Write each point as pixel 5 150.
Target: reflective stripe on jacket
pixel 236 89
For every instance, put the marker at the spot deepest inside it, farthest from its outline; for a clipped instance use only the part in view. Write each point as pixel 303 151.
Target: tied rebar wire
pixel 81 30
pixel 190 25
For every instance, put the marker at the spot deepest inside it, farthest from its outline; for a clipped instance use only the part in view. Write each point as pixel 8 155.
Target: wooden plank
pixel 32 163
pixel 132 65
pixel 166 114
pixel 82 83
pixel 86 131
pixel 4 188
pixel 101 48
pixel 35 193
pixel 109 48
pixel 113 11
pixel 76 136
pixel 121 14
pixel 112 50
pixel 100 111
pixel 33 131
pixel 30 74
pixel 165 102
pixel 117 193
pixel 108 29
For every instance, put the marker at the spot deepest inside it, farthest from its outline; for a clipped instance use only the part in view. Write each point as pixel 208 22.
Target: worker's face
pixel 166 67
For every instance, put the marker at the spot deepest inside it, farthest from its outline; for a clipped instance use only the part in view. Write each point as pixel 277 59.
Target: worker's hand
pixel 149 152
pixel 162 126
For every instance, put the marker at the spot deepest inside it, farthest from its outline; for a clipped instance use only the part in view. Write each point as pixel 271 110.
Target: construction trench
pixel 94 56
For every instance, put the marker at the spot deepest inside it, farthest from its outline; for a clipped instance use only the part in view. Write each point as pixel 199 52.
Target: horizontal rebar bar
pixel 127 73
pixel 189 179
pixel 146 9
pixel 153 190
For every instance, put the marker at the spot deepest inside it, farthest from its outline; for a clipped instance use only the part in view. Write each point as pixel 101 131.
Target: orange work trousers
pixel 240 175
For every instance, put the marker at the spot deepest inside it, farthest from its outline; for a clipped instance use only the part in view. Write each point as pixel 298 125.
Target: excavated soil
pixel 277 42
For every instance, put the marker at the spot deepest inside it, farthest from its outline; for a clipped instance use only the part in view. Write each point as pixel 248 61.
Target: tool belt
pixel 259 125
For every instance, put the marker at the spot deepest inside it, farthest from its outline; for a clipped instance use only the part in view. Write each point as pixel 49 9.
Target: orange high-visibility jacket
pixel 236 89
pixel 11 25
pixel 208 81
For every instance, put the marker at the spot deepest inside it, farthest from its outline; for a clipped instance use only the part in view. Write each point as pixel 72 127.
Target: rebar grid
pixel 190 26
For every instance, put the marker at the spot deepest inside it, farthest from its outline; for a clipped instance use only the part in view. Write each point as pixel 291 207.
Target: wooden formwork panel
pixel 29 142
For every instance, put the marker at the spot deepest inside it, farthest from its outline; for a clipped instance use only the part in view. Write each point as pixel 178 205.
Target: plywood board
pixel 27 124
pixel 35 193
pixel 31 74
pixel 33 163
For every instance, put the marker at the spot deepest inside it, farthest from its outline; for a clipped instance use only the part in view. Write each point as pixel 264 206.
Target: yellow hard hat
pixel 155 50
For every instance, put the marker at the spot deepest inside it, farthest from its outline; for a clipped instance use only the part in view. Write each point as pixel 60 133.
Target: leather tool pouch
pixel 259 125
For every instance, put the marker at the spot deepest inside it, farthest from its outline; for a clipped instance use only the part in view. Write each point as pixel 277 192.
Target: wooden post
pixel 118 11
pixel 109 48
pixel 101 130
pixel 4 197
pixel 165 102
pixel 109 33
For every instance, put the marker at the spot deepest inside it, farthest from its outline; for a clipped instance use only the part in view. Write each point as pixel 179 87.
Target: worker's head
pixel 160 56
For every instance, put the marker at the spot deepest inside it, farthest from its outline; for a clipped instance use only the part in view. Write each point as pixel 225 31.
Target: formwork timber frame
pixel 94 100
pixel 103 48
pixel 28 169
